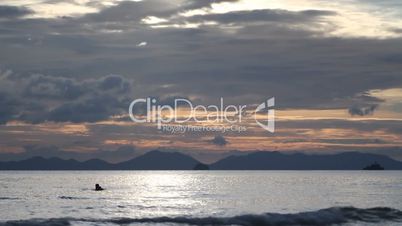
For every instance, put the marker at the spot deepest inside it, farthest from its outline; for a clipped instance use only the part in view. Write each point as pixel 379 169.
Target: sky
pixel 70 68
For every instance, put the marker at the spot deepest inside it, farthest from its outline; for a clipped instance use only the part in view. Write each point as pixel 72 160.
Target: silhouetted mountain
pixel 40 163
pixel 154 160
pixel 280 161
pixel 201 166
pixel 97 164
pixel 158 160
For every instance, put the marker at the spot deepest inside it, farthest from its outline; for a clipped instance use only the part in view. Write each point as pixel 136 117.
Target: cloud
pixel 141 44
pixel 353 141
pixel 8 107
pixel 362 110
pixel 13 11
pixel 38 98
pixel 115 82
pixel 395 30
pixel 49 87
pixel 135 11
pixel 196 4
pixel 89 110
pixel 219 140
pixel 263 15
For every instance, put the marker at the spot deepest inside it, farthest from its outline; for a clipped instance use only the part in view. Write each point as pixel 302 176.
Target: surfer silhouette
pixel 98 187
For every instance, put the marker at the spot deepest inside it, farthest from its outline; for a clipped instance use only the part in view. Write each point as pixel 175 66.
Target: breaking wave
pixel 329 216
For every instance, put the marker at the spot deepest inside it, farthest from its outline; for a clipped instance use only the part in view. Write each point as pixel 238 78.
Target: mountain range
pixel 263 160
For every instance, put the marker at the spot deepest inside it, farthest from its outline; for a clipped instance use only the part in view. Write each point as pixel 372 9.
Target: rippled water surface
pixel 215 197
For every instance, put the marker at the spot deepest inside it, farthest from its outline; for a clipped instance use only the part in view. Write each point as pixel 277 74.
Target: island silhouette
pixel 262 160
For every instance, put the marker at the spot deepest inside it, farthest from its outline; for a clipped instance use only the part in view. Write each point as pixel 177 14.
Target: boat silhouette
pixel 374 166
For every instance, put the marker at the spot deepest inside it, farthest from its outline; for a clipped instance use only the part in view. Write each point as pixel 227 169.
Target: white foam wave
pixel 329 216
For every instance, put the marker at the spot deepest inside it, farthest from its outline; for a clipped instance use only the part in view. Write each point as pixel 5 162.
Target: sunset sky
pixel 70 68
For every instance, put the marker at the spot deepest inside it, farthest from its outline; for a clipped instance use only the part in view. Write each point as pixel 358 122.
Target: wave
pixel 8 198
pixel 71 198
pixel 329 216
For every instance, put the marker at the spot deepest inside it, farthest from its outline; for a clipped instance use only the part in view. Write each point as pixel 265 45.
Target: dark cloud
pixel 89 110
pixel 264 15
pixel 38 98
pixel 41 86
pixel 352 141
pixel 219 140
pixel 362 110
pixel 9 107
pixel 196 4
pixel 396 30
pixel 393 58
pixel 115 82
pixel 13 11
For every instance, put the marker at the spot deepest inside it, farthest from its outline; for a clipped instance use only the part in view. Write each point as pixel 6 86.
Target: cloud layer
pixel 83 62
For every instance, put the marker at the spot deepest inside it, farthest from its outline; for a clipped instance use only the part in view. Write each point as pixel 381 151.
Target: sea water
pixel 201 198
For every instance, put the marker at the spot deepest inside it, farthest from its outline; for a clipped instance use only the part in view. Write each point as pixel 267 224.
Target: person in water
pixel 98 187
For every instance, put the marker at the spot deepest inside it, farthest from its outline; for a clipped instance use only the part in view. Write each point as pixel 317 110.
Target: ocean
pixel 201 198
